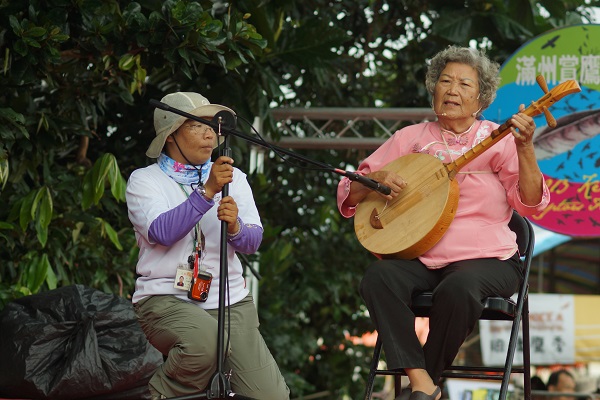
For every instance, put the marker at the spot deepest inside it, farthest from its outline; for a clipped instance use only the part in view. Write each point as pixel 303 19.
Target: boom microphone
pixel 368 182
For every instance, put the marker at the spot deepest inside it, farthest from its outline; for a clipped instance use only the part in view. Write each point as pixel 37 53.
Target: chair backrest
pixel 524 231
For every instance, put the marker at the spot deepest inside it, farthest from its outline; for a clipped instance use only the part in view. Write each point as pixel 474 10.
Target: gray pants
pixel 187 334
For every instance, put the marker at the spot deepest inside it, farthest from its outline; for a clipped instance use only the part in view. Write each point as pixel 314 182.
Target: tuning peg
pixel 549 118
pixel 542 82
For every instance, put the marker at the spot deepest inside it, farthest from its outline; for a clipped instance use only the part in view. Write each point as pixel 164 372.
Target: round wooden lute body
pixel 415 220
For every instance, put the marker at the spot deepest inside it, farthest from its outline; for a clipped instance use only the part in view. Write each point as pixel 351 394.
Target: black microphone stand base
pixel 215 392
pixel 210 395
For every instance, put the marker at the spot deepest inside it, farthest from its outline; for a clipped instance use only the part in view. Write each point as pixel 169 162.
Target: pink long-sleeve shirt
pixel 489 190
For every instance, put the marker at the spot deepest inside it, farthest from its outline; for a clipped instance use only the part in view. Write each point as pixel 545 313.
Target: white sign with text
pixel 551 332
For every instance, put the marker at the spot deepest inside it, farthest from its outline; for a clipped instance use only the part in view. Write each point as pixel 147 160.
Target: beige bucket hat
pixel 167 122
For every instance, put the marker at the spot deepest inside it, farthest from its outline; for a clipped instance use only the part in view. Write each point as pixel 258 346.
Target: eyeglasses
pixel 199 129
pixel 462 85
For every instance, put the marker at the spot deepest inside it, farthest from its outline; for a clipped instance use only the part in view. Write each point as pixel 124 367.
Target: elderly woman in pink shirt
pixel 477 256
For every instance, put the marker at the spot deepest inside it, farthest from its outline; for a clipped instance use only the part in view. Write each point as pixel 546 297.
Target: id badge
pixel 183 278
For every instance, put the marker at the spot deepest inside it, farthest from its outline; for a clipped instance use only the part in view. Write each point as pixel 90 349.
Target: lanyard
pixel 198 248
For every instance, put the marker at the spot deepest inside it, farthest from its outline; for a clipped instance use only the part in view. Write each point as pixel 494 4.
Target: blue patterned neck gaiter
pixel 183 173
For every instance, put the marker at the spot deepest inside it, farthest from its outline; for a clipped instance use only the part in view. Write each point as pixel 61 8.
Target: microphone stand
pixel 219 387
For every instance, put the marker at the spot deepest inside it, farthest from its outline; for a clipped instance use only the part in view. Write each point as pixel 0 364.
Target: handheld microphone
pixel 368 182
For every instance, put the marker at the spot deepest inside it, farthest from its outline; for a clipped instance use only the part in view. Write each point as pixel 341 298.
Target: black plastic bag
pixel 74 343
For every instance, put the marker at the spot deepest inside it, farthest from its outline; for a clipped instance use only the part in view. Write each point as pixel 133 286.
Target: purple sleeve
pixel 247 239
pixel 171 226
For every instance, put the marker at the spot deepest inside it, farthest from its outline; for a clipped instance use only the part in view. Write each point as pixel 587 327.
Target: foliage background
pixel 75 120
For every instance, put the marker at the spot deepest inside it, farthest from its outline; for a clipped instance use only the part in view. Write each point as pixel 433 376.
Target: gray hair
pixel 487 70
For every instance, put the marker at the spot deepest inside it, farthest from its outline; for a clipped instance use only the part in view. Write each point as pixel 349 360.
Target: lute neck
pixel 478 149
pixel 537 107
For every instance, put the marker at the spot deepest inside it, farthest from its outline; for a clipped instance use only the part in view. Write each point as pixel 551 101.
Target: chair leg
pixel 526 352
pixel 373 370
pixel 397 385
pixel 510 355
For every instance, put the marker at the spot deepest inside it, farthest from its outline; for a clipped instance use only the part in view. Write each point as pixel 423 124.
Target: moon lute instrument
pixel 415 220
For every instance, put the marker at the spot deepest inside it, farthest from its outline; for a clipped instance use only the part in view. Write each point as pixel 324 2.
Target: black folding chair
pixel 496 308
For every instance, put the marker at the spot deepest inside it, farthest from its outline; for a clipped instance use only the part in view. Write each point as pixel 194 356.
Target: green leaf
pixel 10 120
pixel 32 42
pixel 186 71
pixel 42 123
pixel 26 212
pixel 118 186
pixel 453 29
pixel 101 171
pixel 60 38
pixel 36 202
pixel 108 28
pixel 15 25
pixel 312 43
pixel 112 234
pixel 139 78
pixel 6 225
pixel 285 252
pixel 77 231
pixel 51 279
pixel 116 180
pixel 126 97
pixel 94 184
pixel 510 28
pixel 233 62
pixel 36 31
pixel 34 271
pixel 20 47
pixel 183 53
pixel 87 191
pixel 556 8
pixel 43 208
pixel 4 172
pixel 522 12
pixel 126 62
pixel 42 234
pixel 39 274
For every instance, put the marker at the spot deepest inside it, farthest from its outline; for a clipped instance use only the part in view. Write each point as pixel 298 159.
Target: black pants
pixel 458 290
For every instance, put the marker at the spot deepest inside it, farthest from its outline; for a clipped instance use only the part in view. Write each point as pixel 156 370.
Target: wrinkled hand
pixel 221 173
pixel 228 212
pixel 523 128
pixel 391 180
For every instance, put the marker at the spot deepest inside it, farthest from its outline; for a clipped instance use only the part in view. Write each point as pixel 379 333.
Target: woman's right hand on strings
pixel 221 173
pixel 389 179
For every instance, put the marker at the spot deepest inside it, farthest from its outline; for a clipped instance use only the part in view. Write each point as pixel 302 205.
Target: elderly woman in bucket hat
pixel 176 208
